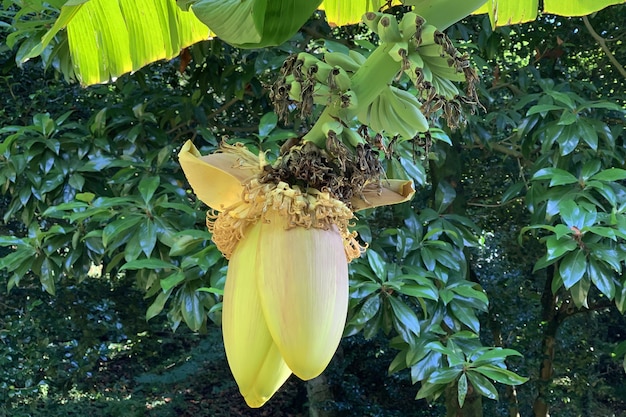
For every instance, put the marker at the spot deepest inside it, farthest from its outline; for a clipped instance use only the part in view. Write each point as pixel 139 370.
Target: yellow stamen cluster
pixel 307 209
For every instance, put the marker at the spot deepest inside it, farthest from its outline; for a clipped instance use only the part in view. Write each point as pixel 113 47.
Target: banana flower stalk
pixel 286 293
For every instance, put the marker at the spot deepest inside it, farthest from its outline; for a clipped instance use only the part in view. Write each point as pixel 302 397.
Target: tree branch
pixel 602 42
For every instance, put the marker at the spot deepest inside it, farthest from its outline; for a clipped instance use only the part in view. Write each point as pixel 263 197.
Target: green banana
pixel 322 94
pixel 349 100
pixel 426 35
pixel 338 79
pixel 352 137
pixel 445 87
pixel 357 57
pixel 339 59
pixel 295 91
pixel 441 69
pixel 407 107
pixel 399 51
pixel 432 50
pixel 410 24
pixel 371 20
pixel 332 126
pixel 388 29
pixel 322 71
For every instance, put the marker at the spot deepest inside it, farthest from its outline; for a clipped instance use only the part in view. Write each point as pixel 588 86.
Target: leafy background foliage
pixel 97 214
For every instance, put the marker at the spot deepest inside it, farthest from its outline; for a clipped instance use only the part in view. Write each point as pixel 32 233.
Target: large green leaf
pixel 108 38
pixel 508 12
pixel 255 23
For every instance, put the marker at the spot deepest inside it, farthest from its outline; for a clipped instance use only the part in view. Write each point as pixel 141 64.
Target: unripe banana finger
pixel 321 71
pixel 445 87
pixel 295 91
pixel 308 60
pixel 349 100
pixel 433 50
pixel 399 51
pixel 352 137
pixel 371 20
pixel 345 61
pixel 388 29
pixel 426 36
pixel 339 79
pixel 332 126
pixel 357 57
pixel 407 107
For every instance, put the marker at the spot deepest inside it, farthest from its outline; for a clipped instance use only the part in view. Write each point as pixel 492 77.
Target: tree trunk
pixel 320 398
pixel 552 317
pixel 473 406
pixel 511 392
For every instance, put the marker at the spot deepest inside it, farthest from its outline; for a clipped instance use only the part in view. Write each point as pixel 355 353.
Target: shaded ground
pixel 194 383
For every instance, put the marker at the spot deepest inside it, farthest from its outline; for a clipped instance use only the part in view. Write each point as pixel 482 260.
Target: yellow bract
pixel 303 284
pixel 286 292
pixel 254 358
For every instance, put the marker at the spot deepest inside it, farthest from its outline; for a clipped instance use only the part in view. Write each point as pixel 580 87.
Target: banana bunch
pixel 338 130
pixel 395 112
pixel 326 82
pixel 427 56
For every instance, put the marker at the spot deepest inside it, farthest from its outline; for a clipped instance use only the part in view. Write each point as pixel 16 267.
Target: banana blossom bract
pixel 286 294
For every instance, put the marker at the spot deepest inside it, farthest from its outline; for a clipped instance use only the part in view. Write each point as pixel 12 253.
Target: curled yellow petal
pixel 387 193
pixel 254 359
pixel 217 178
pixel 303 286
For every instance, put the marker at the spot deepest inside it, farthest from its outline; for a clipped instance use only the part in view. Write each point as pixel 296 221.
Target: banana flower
pixel 286 293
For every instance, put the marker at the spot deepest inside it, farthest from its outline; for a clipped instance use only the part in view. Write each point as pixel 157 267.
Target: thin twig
pixel 602 42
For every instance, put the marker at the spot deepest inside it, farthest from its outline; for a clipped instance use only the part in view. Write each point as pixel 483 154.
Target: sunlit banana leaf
pixel 254 23
pixel 507 12
pixel 108 38
pixel 342 12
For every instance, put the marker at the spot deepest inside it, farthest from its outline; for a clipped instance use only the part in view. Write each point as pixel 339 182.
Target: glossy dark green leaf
pixel 378 264
pixel 611 174
pixel 482 385
pixel 157 305
pixel 568 140
pixel 494 355
pixel 267 123
pixel 469 291
pixel 444 196
pixel 414 169
pixel 556 176
pixel 419 291
pixel 580 292
pixel 47 276
pixel 573 267
pixel 191 309
pixel 602 277
pixel 501 375
pixel 118 227
pixel 588 134
pixel 462 390
pixel 147 187
pixel 430 391
pixel 513 191
pixel 445 376
pixel 559 247
pixel 405 315
pixel 426 366
pixel 367 310
pixel 172 280
pixel 543 109
pixel 147 236
pixel 465 315
pixel 151 263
